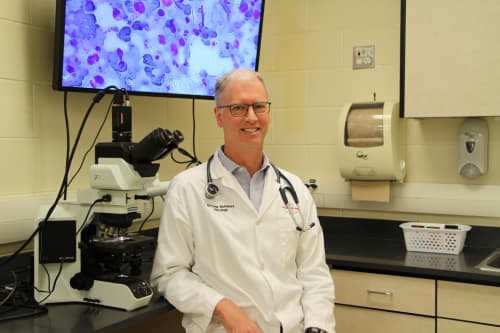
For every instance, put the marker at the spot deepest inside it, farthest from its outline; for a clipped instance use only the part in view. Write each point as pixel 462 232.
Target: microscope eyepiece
pixel 155 145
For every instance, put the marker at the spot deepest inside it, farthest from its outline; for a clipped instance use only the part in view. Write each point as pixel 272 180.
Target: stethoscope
pixel 211 191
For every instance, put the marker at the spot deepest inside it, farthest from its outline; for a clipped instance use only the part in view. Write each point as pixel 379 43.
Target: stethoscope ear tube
pixel 212 190
pixel 283 189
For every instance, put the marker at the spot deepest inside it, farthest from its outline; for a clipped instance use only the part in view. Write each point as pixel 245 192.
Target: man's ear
pixel 218 116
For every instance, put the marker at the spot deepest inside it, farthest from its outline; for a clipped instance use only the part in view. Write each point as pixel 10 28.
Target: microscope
pixel 84 251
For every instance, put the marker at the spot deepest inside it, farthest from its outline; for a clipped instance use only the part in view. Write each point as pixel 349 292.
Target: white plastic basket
pixel 434 237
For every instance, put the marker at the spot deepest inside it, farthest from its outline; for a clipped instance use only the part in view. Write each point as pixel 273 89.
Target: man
pixel 236 252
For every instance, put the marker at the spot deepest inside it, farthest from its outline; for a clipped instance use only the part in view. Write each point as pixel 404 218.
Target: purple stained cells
pixel 89 6
pixel 139 25
pixel 121 66
pixel 150 38
pixel 170 24
pixel 147 59
pixel 99 79
pixel 225 6
pixel 124 34
pixel 117 14
pixel 87 25
pixel 93 58
pixel 207 33
pixel 186 8
pixel 162 39
pixel 174 49
pixel 243 7
pixel 139 7
pixel 158 80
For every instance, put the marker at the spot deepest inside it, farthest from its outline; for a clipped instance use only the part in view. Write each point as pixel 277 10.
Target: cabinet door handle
pixel 380 292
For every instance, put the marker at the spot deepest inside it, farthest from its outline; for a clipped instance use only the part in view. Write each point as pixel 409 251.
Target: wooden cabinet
pixel 367 302
pixel 351 319
pixel 455 326
pixel 380 303
pixel 462 303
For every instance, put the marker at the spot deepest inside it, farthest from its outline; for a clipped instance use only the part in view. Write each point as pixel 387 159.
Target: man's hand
pixel 234 319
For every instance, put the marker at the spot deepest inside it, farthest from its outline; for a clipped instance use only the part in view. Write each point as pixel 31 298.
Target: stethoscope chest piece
pixel 211 191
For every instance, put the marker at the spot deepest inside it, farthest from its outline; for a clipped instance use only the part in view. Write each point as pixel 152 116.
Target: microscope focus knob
pixel 81 281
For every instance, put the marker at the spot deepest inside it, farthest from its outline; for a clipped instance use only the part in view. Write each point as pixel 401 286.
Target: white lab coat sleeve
pixel 312 270
pixel 171 272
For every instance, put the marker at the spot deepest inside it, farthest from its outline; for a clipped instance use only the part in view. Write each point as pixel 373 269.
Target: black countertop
pixel 83 318
pixel 378 246
pixel 351 244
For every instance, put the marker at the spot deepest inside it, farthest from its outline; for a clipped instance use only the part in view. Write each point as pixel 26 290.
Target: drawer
pixel 454 326
pixel 387 292
pixel 380 321
pixel 468 301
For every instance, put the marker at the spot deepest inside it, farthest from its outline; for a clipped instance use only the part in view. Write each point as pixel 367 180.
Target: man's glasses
pixel 241 110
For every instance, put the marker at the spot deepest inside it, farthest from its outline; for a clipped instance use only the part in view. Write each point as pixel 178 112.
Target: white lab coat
pixel 223 247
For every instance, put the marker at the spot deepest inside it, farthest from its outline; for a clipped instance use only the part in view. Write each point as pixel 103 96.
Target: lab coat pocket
pixel 289 237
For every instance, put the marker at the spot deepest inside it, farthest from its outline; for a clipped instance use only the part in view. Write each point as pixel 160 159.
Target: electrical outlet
pixel 363 57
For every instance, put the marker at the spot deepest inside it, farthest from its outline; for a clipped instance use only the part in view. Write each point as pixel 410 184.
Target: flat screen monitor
pixel 175 48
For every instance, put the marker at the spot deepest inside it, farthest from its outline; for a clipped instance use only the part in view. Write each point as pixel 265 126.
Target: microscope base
pixel 119 291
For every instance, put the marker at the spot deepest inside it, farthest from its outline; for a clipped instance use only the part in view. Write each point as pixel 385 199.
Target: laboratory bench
pixel 352 244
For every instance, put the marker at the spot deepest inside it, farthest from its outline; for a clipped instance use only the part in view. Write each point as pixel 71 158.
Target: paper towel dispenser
pixel 371 142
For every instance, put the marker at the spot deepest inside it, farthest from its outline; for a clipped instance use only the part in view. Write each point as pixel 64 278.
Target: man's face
pixel 249 131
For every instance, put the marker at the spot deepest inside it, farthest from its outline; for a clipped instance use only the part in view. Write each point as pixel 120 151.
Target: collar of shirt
pixel 253 186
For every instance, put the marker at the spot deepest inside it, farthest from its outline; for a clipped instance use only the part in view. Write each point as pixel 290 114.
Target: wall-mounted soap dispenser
pixel 473 148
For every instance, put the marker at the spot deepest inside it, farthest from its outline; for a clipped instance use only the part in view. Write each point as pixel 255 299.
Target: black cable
pixel 62 187
pixel 93 143
pixel 51 290
pixel 105 198
pixel 48 281
pixel 149 216
pixel 194 128
pixel 66 122
pixel 190 161
pixel 12 291
pixel 193 159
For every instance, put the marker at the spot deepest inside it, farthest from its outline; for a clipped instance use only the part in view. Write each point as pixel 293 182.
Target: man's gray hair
pixel 236 75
